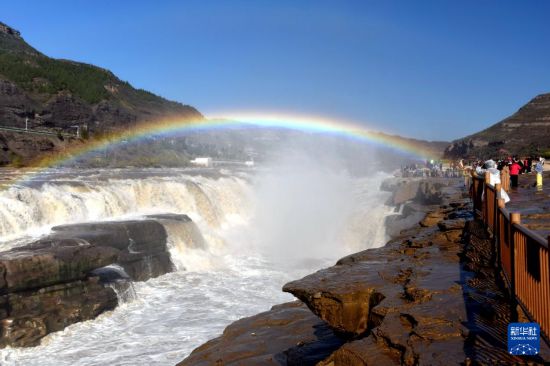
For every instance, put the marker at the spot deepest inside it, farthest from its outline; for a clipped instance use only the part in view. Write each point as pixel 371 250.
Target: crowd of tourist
pixel 514 166
pixel 431 168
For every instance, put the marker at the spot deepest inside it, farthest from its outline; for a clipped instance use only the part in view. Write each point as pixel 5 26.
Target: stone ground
pixel 533 203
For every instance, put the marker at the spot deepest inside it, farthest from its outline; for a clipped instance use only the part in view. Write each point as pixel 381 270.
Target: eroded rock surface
pixel 288 334
pixel 141 244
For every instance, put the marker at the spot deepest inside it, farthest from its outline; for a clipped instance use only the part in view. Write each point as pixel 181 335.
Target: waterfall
pixel 33 210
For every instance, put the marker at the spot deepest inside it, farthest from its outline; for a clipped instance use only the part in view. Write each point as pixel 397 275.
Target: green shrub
pixel 84 81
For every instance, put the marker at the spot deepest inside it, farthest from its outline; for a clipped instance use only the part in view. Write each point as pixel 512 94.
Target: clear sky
pixel 427 69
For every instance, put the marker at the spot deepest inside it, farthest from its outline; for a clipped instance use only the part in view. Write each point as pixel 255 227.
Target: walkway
pixel 532 204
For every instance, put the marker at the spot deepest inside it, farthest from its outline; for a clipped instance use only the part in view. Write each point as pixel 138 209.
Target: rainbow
pixel 171 127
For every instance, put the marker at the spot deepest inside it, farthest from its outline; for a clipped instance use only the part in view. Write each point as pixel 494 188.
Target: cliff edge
pixel 429 297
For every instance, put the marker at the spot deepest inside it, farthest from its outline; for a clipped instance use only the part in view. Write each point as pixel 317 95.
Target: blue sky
pixel 425 69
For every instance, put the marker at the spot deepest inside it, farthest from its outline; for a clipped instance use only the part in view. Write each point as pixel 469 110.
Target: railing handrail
pixel 532 235
pixel 514 242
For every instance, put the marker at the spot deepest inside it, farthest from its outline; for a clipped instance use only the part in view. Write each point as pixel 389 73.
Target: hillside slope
pixel 56 95
pixel 526 132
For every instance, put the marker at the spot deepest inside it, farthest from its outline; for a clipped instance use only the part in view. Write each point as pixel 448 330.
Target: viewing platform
pixel 521 235
pixel 532 203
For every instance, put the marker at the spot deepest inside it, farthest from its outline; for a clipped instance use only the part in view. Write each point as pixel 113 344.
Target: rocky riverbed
pixel 430 296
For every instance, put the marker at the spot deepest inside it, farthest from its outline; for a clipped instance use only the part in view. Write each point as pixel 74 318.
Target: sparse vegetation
pixel 41 74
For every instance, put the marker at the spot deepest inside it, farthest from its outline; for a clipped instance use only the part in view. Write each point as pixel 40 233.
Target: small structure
pixel 202 161
pixel 77 130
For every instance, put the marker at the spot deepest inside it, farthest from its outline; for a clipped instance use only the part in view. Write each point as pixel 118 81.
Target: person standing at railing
pixel 539 169
pixel 494 178
pixel 515 169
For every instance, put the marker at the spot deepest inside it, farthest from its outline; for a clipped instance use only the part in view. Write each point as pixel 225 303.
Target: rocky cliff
pixel 525 132
pixel 52 95
pixel 429 297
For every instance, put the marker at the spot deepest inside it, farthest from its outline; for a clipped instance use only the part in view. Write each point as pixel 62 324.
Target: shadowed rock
pixel 288 334
pixel 142 246
pixel 362 352
pixel 28 316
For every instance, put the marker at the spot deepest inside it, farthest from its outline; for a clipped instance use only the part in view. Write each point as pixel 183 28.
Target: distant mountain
pixel 56 95
pixel 526 132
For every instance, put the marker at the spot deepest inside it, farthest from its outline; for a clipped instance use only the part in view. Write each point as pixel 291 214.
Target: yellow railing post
pixel 505 178
pixel 499 230
pixel 515 219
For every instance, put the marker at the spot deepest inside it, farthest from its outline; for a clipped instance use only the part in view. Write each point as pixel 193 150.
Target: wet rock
pixel 374 254
pixel 288 334
pixel 406 191
pixel 432 218
pixel 395 224
pixel 363 352
pixel 69 276
pixel 143 267
pixel 420 190
pixel 134 236
pixel 142 244
pixel 170 217
pixel 50 261
pixel 455 224
pixel 30 315
pixel 429 193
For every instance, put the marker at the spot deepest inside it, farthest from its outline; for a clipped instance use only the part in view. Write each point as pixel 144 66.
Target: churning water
pixel 258 230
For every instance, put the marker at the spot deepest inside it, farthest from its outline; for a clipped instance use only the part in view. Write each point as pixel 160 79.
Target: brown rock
pixel 342 295
pixel 288 334
pixel 31 315
pixel 405 192
pixel 432 218
pixel 363 352
pixel 50 261
pixel 454 224
pixel 142 245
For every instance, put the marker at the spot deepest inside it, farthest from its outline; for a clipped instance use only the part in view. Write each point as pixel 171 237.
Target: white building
pixel 203 161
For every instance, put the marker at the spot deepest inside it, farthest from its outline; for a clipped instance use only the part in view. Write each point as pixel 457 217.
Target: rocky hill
pixel 526 132
pixel 55 95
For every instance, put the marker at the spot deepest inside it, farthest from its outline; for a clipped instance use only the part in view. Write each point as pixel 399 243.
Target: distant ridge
pixel 526 132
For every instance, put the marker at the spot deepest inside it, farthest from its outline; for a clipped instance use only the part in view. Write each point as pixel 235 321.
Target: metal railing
pixel 522 255
pixel 37 131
